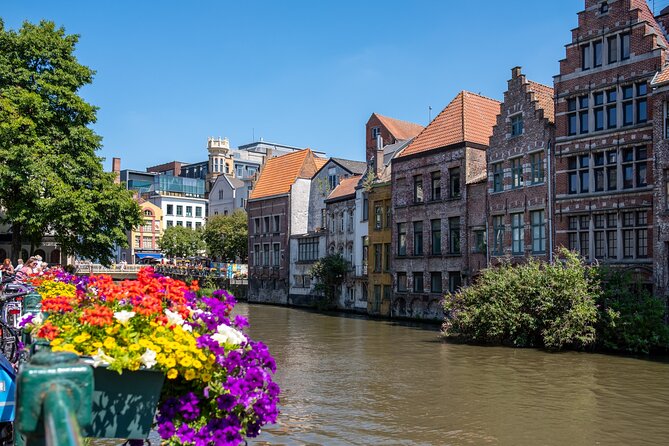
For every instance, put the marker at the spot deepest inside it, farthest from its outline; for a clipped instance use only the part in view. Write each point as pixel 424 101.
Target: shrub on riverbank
pixel 564 305
pixel 530 305
pixel 631 318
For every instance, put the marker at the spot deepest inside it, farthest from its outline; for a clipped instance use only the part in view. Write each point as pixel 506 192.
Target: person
pixel 7 267
pixel 28 269
pixel 19 265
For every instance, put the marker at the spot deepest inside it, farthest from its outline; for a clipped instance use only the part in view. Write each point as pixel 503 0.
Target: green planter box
pixel 124 405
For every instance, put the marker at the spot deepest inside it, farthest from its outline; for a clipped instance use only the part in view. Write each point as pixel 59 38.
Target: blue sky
pixel 304 73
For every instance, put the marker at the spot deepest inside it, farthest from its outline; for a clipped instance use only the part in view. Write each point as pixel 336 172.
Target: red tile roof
pixel 544 96
pixel 401 130
pixel 468 118
pixel 280 173
pixel 662 76
pixel 345 188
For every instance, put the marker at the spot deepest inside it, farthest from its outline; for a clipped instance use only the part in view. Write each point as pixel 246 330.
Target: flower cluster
pixel 219 386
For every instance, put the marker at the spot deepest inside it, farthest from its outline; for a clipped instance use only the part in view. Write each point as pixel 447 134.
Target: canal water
pixel 355 381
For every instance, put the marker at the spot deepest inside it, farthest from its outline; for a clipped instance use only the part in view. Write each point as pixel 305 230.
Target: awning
pixel 149 255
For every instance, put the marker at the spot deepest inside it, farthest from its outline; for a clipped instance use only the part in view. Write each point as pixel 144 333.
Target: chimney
pixel 116 169
pixel 379 155
pixel 516 72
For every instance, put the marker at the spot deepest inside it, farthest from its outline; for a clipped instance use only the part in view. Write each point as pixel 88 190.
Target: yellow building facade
pixel 380 280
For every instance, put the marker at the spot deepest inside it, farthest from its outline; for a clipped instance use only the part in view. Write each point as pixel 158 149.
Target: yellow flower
pixel 134 347
pixel 109 343
pixel 190 374
pixel 172 373
pixel 81 338
pixel 96 344
pixel 206 377
pixel 56 342
pixel 134 365
pixel 186 361
pixel 170 362
pixel 197 364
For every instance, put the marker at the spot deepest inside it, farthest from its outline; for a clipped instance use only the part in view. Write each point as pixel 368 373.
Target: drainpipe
pixel 550 204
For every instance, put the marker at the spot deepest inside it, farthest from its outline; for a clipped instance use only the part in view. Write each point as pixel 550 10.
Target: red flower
pixel 48 331
pixel 99 316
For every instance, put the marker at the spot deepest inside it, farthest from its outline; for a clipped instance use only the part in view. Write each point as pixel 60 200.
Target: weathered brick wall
pixel 660 203
pixel 537 135
pixel 269 284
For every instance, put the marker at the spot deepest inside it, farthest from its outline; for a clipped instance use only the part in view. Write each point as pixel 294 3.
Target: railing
pixel 197 273
pixel 96 268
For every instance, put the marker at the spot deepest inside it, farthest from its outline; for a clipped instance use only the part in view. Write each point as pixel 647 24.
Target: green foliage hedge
pixel 567 304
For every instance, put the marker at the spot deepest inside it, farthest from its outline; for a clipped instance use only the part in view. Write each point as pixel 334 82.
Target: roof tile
pixel 468 118
pixel 280 173
pixel 345 188
pixel 401 130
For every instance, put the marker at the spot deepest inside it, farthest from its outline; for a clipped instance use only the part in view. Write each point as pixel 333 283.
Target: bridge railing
pixel 96 268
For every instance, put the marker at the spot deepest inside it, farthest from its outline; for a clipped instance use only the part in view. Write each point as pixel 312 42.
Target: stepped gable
pixel 469 118
pixel 543 94
pixel 280 173
pixel 401 130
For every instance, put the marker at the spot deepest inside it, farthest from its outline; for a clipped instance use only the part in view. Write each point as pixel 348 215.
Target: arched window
pixel 148 213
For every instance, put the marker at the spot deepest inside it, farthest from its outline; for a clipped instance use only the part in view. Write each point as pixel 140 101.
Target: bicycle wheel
pixel 8 343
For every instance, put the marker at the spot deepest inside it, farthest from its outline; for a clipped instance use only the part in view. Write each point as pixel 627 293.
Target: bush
pixel 631 319
pixel 530 305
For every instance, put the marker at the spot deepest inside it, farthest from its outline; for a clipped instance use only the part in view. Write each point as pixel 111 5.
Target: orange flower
pixel 99 316
pixel 48 331
pixel 56 304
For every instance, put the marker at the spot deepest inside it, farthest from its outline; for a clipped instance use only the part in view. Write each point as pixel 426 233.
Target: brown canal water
pixel 354 381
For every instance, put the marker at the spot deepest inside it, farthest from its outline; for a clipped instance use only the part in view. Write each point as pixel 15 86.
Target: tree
pixel 227 236
pixel 52 180
pixel 329 273
pixel 179 241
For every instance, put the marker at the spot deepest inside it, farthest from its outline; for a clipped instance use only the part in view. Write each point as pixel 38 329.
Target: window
pixel 479 241
pixel 180 211
pixel 418 286
pixel 498 235
pixel 599 171
pixel 256 225
pixel 537 166
pixel 635 167
pixel 666 120
pixel 635 234
pixel 628 105
pixel 611 109
pixel 378 259
pixel 324 219
pixel 307 249
pixel 538 232
pixel 418 238
pixel 180 223
pixel 170 223
pixel 170 209
pixel 276 256
pixel 276 220
pixel 641 103
pixel 189 211
pixel 376 131
pixel 418 189
pixel 516 173
pixel 625 46
pixel 256 255
pixel 579 235
pixel 401 282
pixel 332 178
pixel 137 241
pixel 388 216
pixel 198 224
pixel 342 221
pixel 579 174
pixel 454 281
pixel 454 182
pixel 436 185
pixel 517 233
pixel 613 48
pixel 571 117
pixel 401 239
pixel 597 53
pixel 498 177
pixel 604 8
pixel 585 57
pixel 598 99
pixel 377 297
pixel 386 257
pixel 517 125
pixel 454 235
pixel 266 225
pixel 350 219
pixel 378 216
pixel 436 237
pixel 198 211
pixel 435 282
pixel 583 103
pixel 365 208
pixel 265 256
pixel 189 224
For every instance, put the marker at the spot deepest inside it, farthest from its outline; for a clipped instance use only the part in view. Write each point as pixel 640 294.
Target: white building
pixel 228 194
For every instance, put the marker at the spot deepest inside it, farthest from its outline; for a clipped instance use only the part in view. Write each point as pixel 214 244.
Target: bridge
pixel 117 272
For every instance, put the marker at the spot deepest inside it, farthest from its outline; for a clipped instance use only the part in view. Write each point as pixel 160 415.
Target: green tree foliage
pixel 329 273
pixel 227 236
pixel 631 318
pixel 179 241
pixel 533 304
pixel 50 177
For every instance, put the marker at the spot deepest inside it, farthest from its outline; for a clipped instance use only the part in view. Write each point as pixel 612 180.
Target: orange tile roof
pixel 468 118
pixel 280 173
pixel 401 130
pixel 320 162
pixel 346 187
pixel 662 76
pixel 544 96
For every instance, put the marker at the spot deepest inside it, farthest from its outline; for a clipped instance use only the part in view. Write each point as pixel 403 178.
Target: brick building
pixel 604 135
pixel 431 182
pixel 518 172
pixel 277 209
pixel 390 131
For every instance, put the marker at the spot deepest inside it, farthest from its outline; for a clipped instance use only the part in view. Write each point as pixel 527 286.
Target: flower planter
pixel 124 405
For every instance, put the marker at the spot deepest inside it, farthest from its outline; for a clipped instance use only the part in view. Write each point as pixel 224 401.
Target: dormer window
pixel 604 8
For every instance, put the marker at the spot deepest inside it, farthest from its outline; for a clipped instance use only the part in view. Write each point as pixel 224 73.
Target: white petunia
pixel 173 318
pixel 101 358
pixel 226 334
pixel 148 358
pixel 123 316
